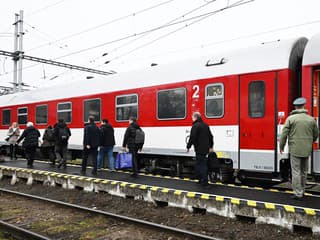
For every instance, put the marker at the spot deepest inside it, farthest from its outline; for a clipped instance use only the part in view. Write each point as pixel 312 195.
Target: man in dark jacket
pixel 130 143
pixel 31 142
pixel 202 140
pixel 91 141
pixel 61 135
pixel 106 144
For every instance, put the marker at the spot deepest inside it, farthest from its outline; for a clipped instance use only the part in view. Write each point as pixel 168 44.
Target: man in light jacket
pixel 302 131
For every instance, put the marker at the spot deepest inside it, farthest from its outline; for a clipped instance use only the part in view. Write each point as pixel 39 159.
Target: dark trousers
pixel 201 168
pixel 30 153
pixel 61 154
pixel 134 152
pixel 48 152
pixel 13 151
pixel 90 153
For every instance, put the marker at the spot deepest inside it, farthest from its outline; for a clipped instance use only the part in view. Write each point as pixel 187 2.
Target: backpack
pixel 139 139
pixel 50 136
pixel 63 135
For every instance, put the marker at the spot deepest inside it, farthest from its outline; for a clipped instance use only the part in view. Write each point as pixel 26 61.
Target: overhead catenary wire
pixel 132 35
pixel 46 36
pixel 103 24
pixel 236 4
pixel 241 2
pixel 44 8
pixel 169 22
pixel 141 33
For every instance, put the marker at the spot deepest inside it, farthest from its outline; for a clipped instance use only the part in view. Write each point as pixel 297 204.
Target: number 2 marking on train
pixel 196 89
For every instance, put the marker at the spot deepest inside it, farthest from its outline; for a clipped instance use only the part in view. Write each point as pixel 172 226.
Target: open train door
pixel 257 122
pixel 315 166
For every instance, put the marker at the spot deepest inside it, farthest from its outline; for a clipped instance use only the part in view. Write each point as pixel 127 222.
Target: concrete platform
pixel 267 206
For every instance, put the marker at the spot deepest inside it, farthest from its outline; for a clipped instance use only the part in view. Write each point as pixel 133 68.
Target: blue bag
pixel 124 160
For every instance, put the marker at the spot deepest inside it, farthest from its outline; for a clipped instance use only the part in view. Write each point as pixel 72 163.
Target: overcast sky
pixel 75 29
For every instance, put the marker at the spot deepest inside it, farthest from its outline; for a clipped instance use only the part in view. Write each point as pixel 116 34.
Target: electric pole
pixel 18 52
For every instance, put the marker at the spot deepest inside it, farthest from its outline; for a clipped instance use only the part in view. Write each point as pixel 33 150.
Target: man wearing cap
pixel 301 130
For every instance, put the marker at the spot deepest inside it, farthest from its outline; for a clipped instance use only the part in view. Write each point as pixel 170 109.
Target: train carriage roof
pixel 311 54
pixel 265 57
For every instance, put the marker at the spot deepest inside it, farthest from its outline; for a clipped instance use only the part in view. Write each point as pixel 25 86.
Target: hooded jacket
pixel 56 130
pixel 301 130
pixel 130 136
pixel 106 135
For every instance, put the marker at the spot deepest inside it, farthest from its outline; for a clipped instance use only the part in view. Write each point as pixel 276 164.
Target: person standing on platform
pixel 130 142
pixel 301 130
pixel 202 140
pixel 30 137
pixel 91 141
pixel 48 142
pixel 13 135
pixel 107 143
pixel 61 135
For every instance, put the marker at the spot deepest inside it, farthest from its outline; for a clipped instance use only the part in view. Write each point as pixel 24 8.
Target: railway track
pixel 20 233
pixel 142 223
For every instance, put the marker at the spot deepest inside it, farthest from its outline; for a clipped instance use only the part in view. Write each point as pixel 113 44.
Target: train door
pixel 316 115
pixel 257 122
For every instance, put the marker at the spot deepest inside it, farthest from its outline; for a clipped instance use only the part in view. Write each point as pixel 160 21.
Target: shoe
pixel 134 175
pixel 94 173
pixel 296 198
pixel 59 165
pixel 83 173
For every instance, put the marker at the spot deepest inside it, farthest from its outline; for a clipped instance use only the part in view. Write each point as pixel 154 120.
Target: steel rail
pixel 21 233
pixel 118 216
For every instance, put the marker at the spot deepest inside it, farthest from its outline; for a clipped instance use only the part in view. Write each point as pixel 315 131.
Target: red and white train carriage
pixel 245 97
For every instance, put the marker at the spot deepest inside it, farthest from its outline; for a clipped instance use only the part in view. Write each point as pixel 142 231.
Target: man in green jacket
pixel 301 130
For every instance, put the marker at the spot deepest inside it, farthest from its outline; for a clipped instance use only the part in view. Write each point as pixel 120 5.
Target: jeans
pixel 107 150
pixel 92 153
pixel 201 168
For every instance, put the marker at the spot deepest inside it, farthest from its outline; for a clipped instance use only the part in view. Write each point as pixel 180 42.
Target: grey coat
pixel 13 134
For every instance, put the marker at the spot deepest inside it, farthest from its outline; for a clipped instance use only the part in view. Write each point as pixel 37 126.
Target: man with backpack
pixel 61 135
pixel 133 140
pixel 91 141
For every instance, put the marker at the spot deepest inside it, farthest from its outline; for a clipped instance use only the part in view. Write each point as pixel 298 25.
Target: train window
pixel 64 111
pixel 92 108
pixel 42 114
pixel 6 117
pixel 22 115
pixel 214 102
pixel 172 104
pixel 126 107
pixel 256 99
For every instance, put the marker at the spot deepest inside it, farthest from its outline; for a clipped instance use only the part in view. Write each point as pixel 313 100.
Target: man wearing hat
pixel 301 131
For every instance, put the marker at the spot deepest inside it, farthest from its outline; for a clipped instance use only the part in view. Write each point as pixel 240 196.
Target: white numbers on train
pixel 196 89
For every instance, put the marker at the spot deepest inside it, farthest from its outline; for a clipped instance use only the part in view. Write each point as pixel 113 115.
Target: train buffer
pixel 264 205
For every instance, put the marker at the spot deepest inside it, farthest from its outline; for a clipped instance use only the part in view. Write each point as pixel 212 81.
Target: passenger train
pixel 244 95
